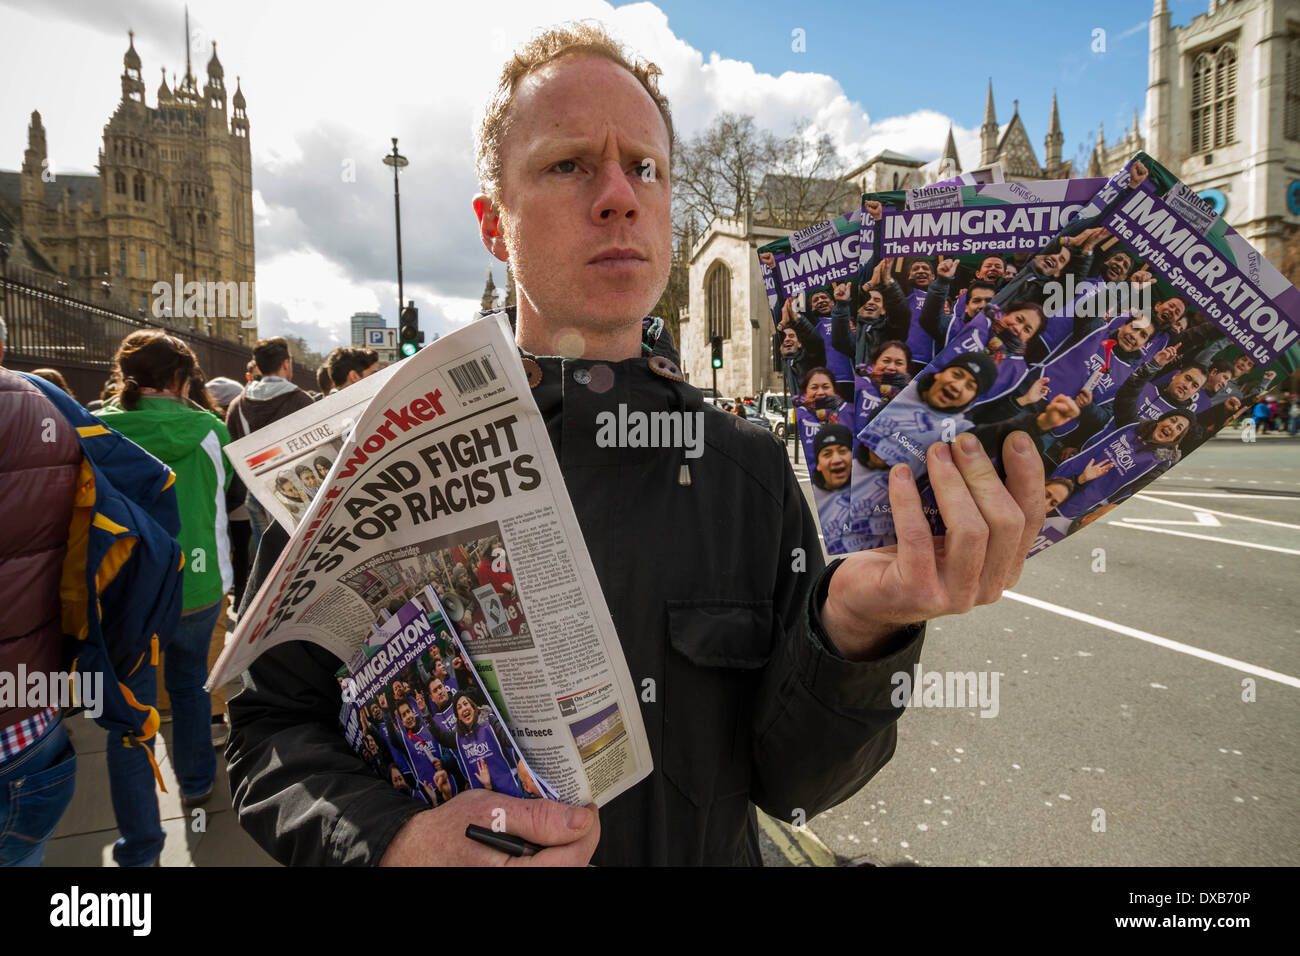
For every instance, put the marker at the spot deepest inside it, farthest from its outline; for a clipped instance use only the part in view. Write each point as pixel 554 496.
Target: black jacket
pixel 742 702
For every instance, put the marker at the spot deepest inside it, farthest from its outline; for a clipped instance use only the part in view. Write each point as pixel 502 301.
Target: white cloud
pixel 334 82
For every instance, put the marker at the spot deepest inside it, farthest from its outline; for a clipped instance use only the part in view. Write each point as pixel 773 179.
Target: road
pixel 1148 679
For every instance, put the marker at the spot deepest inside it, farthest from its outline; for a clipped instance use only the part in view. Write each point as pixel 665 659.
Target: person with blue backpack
pixel 90 576
pixel 152 409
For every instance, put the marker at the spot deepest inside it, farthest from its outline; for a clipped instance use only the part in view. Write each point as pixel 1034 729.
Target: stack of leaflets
pixel 1120 323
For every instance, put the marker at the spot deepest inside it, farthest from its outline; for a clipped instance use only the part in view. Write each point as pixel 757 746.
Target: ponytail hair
pixel 151 358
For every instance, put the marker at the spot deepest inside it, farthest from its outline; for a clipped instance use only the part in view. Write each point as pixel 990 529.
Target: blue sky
pixel 893 61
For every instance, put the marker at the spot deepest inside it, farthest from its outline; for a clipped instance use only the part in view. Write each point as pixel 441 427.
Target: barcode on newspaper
pixel 473 375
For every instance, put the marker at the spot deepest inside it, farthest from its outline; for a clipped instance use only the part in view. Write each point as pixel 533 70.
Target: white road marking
pixel 1203 537
pixel 1204 519
pixel 1225 514
pixel 1157 640
pixel 1218 494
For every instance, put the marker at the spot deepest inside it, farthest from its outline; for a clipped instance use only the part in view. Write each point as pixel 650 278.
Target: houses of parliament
pixel 173 196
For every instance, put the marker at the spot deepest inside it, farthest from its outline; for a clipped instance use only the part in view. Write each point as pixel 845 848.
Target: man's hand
pixel 1137 175
pixel 1166 355
pixel 1084 398
pixel 990 529
pixel 1059 410
pixel 946 269
pixel 437 837
pixel 841 291
pixel 1037 392
pixel 1233 403
pixel 874 209
pixel 768 259
pixel 1093 471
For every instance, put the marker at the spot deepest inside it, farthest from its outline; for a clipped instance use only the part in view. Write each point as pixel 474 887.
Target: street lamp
pixel 397 161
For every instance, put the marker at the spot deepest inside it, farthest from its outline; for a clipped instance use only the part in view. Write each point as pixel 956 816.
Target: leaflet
pixel 416 710
pixel 1170 331
pixel 448 480
pixel 956 244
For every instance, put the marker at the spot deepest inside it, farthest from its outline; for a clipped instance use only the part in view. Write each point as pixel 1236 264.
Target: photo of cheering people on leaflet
pixel 930 409
pixel 811 278
pixel 416 728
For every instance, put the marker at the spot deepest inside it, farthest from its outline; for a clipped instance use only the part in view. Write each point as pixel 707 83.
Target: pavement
pixel 203 836
pixel 1148 699
pixel 1123 735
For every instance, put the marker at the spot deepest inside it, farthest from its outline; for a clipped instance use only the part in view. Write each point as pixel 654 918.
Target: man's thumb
pixel 551 823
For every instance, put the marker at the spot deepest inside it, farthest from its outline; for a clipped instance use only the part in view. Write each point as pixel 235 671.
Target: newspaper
pixel 284 463
pixel 448 480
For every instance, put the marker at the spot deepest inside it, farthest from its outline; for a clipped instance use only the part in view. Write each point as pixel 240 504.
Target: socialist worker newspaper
pixel 448 481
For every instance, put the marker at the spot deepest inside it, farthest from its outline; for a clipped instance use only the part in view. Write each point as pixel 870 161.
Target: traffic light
pixel 409 336
pixel 716 342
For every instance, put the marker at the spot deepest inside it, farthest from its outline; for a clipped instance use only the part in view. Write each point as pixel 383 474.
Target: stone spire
pixel 1055 139
pixel 989 131
pixel 489 300
pixel 950 152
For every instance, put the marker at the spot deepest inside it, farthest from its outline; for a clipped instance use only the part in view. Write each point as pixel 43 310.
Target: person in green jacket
pixel 153 409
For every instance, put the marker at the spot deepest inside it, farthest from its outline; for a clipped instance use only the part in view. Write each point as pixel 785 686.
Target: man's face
pixel 953 388
pixel 874 306
pixel 976 299
pixel 1186 383
pixel 1022 323
pixel 440 670
pixel 891 360
pixel 920 275
pixel 375 712
pixel 835 463
pixel 1170 430
pixel 1242 366
pixel 1117 267
pixel 1052 263
pixel 1171 314
pixel 991 268
pixel 585 226
pixel 1218 378
pixel 1132 338
pixel 820 303
pixel 1055 493
pixel 789 342
pixel 371 747
pixel 407 716
pixel 438 694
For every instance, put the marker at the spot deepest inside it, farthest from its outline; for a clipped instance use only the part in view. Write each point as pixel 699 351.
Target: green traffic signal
pixel 717 362
pixel 408 349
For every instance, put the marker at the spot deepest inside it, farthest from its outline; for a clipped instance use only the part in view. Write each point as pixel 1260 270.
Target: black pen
pixel 505 842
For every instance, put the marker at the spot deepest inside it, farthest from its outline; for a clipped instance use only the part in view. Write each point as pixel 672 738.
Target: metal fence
pixel 49 328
